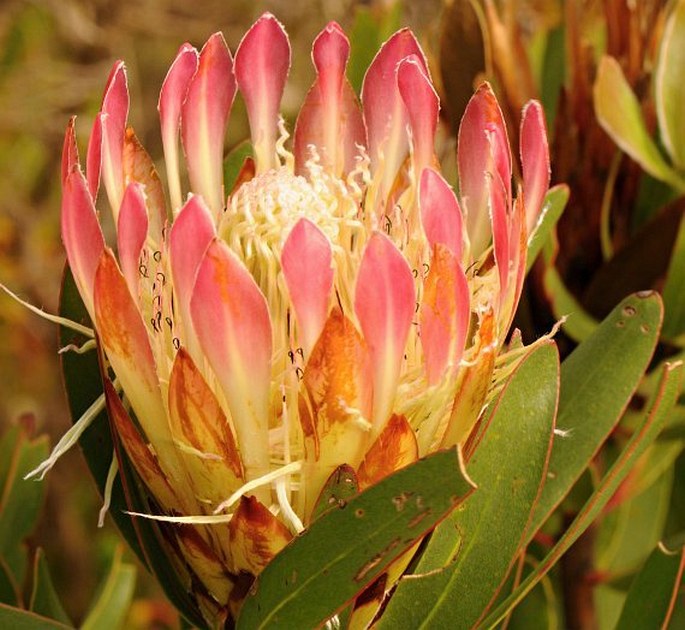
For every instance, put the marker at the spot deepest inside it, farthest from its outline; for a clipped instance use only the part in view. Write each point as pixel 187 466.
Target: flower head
pixel 339 305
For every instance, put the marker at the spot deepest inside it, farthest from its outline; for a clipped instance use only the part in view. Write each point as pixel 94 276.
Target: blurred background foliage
pixel 618 234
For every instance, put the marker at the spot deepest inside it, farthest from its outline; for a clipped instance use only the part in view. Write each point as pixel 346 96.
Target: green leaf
pixel 619 114
pixel 9 589
pixel 341 486
pixel 44 599
pixel 8 444
pixel 477 544
pixel 674 434
pixel 83 383
pixel 653 592
pixel 552 208
pixel 676 516
pixel 18 619
pixel 234 162
pixel 608 601
pixel 597 382
pixel 110 608
pixel 553 73
pixel 669 87
pixel 674 290
pixel 578 324
pixel 154 543
pixel 347 548
pixel 629 532
pixel 369 30
pixel 20 500
pixel 657 412
pixel 652 195
pixel 539 610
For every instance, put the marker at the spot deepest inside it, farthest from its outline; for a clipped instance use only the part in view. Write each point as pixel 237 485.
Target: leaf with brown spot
pixel 330 574
pixel 487 534
pixel 341 486
pixel 395 448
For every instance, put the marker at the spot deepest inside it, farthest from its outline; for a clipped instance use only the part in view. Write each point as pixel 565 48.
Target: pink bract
pixel 341 297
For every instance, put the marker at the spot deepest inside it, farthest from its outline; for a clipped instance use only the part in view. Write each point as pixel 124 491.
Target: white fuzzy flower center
pixel 263 211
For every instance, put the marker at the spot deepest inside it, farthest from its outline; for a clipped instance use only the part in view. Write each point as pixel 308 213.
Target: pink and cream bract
pixel 341 305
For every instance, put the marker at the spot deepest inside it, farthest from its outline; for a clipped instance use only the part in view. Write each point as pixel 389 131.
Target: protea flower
pixel 339 305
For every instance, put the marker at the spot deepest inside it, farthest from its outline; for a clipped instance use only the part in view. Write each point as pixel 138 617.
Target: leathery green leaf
pixel 155 546
pixel 619 113
pixel 44 599
pixel 82 378
pixel 8 443
pixel 552 209
pixel 20 500
pixel 656 414
pixel 652 594
pixel 598 380
pixel 10 593
pixel 669 86
pixel 347 548
pixel 341 486
pixel 471 552
pixel 109 610
pixel 674 289
pixel 578 323
pixel 628 533
pixel 83 384
pixel 19 619
pixel 539 611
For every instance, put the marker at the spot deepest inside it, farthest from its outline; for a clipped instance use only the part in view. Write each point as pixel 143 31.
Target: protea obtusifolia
pixel 340 305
